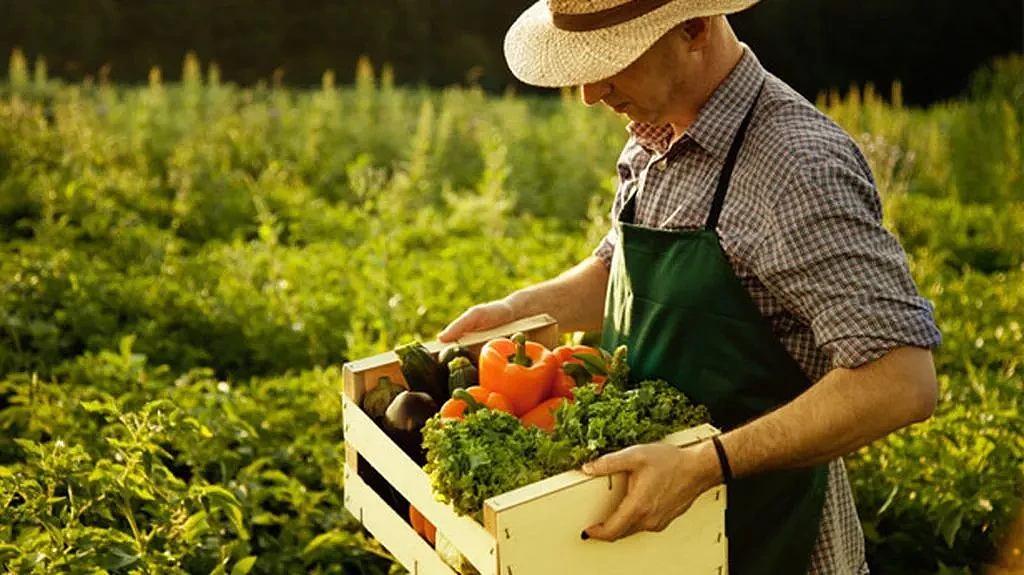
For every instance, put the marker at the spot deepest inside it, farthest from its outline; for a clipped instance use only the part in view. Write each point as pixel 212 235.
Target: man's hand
pixel 575 299
pixel 664 480
pixel 478 317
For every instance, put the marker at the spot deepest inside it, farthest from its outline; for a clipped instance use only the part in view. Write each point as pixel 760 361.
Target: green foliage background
pixel 930 45
pixel 185 267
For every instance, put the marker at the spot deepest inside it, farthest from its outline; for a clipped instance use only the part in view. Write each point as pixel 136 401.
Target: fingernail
pixel 584 535
pixel 588 468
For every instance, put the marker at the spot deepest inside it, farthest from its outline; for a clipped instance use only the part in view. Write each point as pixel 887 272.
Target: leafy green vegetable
pixel 489 452
pixel 618 369
pixel 614 419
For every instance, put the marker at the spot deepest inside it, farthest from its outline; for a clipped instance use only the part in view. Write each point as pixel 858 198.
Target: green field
pixel 184 268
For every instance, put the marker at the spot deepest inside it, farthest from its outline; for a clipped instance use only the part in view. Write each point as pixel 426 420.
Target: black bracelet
pixel 723 460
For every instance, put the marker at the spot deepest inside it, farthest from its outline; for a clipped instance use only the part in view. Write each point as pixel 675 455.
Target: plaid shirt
pixel 801 226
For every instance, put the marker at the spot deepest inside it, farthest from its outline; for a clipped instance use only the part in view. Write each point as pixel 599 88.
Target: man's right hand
pixel 479 317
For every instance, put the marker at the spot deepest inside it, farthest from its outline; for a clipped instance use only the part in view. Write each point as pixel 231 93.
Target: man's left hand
pixel 664 480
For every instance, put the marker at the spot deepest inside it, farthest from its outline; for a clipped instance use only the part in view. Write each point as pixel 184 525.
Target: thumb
pixel 624 460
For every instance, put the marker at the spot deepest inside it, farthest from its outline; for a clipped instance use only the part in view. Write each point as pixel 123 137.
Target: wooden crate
pixel 533 530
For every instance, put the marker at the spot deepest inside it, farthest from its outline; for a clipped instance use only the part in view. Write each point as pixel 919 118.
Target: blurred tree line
pixel 931 46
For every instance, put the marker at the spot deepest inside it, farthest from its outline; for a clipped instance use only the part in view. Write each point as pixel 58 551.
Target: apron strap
pixel 730 162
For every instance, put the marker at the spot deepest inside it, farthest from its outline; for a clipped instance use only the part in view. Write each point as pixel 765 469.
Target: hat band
pixel 587 21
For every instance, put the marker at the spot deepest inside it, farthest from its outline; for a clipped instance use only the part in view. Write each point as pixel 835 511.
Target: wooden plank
pixel 356 384
pixel 411 550
pixel 352 383
pixel 572 478
pixel 351 457
pixel 542 522
pixel 548 336
pixel 527 325
pixel 543 536
pixel 412 482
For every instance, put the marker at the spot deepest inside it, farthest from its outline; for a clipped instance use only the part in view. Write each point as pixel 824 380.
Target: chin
pixel 642 117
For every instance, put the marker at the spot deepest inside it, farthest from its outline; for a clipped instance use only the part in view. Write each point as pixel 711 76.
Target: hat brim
pixel 541 54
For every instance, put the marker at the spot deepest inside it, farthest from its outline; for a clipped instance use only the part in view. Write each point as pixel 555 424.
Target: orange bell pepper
pixel 416 519
pixel 430 532
pixel 569 377
pixel 421 526
pixel 543 416
pixel 472 399
pixel 520 370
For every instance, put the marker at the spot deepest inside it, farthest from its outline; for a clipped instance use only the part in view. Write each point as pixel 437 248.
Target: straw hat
pixel 571 42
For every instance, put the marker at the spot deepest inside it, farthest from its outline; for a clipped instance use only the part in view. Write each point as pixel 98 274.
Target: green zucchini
pixel 377 400
pixel 452 351
pixel 462 374
pixel 422 372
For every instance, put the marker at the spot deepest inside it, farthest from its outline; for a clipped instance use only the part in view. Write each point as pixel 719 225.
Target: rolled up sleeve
pixel 626 170
pixel 828 258
pixel 606 248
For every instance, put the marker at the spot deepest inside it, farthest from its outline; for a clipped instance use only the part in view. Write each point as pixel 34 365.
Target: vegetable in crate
pixel 377 400
pixel 422 372
pixel 461 374
pixel 472 399
pixel 602 421
pixel 618 368
pixel 489 453
pixel 543 416
pixel 577 365
pixel 520 370
pixel 404 420
pixel 422 525
pixel 452 351
pixel 451 556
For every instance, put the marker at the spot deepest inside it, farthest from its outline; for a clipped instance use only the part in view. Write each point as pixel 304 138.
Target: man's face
pixel 644 90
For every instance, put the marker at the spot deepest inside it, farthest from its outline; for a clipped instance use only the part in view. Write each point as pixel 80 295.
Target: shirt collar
pixel 717 122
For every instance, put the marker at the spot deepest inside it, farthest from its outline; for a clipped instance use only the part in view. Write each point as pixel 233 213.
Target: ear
pixel 697 33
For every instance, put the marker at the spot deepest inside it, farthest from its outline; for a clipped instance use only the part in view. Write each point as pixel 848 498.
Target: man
pixel 746 264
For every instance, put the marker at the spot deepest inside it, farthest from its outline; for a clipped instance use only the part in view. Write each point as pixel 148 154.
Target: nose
pixel 593 93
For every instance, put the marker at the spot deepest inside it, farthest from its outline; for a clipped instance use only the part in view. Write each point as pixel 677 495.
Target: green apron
pixel 674 299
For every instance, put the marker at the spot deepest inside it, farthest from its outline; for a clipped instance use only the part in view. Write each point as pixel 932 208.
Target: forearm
pixel 575 298
pixel 844 411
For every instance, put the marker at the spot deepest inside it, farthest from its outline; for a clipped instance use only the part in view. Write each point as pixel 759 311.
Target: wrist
pixel 710 468
pixel 515 304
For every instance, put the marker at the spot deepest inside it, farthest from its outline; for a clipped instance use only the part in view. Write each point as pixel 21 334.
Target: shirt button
pixel 661 165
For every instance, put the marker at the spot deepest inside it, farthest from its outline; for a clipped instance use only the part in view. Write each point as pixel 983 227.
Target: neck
pixel 714 70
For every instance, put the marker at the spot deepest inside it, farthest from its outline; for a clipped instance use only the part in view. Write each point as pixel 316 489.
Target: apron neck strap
pixel 730 162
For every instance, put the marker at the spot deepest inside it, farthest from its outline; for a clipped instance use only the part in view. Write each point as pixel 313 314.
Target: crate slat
pixel 392 531
pixel 534 326
pixel 544 536
pixel 402 472
pixel 538 527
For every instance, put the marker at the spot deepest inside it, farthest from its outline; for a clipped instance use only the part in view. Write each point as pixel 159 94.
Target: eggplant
pixel 404 419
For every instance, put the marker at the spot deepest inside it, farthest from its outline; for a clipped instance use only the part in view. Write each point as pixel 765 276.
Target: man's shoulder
pixel 801 133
